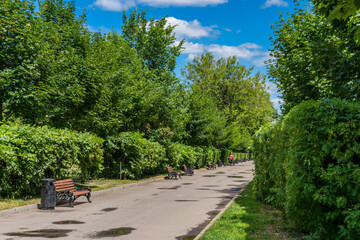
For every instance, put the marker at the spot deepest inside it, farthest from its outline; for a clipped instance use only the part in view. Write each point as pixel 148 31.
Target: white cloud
pixel 193 48
pixel 272 88
pixel 277 102
pixel 191 29
pixel 278 3
pixel 115 5
pixel 228 29
pixel 241 51
pixel 245 51
pixel 260 62
pixel 181 3
pixel 119 5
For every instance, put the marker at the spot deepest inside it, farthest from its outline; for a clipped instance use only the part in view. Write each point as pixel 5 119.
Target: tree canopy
pixel 55 72
pixel 341 12
pixel 240 96
pixel 312 59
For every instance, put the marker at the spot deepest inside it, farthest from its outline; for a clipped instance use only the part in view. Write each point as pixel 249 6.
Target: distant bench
pixel 172 173
pixel 66 190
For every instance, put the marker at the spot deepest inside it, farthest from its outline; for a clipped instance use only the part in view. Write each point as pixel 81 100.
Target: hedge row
pixel 309 165
pixel 29 154
pixel 180 154
pixel 139 156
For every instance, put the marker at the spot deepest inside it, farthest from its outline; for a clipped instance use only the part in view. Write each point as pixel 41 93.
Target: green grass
pixel 96 185
pixel 249 219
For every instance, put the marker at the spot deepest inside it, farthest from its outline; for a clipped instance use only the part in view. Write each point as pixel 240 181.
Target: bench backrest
pixel 65 185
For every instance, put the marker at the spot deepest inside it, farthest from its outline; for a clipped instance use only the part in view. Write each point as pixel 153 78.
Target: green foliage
pixel 313 59
pixel 240 96
pixel 153 40
pixel 29 154
pixel 269 154
pixel 122 87
pixel 248 219
pixel 137 155
pixel 179 154
pixel 44 77
pixel 211 155
pixel 347 11
pixel 317 150
pixel 206 125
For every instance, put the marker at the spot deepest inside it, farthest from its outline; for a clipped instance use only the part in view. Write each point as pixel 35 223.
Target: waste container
pixel 48 194
pixel 191 167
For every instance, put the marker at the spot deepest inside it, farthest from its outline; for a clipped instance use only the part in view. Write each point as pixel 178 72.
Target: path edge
pixel 220 213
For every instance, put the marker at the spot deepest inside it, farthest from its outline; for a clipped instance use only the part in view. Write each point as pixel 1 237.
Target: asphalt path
pixel 166 209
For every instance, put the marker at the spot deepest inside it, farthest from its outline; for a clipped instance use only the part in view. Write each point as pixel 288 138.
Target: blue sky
pixel 240 28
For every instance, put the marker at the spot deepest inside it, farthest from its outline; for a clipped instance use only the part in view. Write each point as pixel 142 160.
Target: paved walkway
pixel 168 209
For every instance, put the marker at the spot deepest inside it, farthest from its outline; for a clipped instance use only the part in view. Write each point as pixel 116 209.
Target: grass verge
pixel 96 185
pixel 247 218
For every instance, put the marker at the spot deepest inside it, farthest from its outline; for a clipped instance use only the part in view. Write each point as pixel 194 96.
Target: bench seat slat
pixel 81 192
pixel 63 188
pixel 66 189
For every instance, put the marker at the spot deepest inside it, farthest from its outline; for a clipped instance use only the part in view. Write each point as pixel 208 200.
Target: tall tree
pixel 16 21
pixel 207 124
pixel 153 40
pixel 312 59
pixel 241 96
pixel 347 11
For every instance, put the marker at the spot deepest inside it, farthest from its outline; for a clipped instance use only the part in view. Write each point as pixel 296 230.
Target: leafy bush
pixel 269 180
pixel 180 154
pixel 29 154
pixel 316 147
pixel 225 154
pixel 199 156
pixel 138 156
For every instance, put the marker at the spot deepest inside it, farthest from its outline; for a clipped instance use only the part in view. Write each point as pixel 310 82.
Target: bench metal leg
pixel 88 197
pixel 71 199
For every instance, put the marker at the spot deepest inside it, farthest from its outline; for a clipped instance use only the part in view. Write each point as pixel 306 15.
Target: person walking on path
pixel 231 159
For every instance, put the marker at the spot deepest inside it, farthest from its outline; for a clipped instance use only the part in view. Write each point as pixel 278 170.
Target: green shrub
pixel 225 154
pixel 29 154
pixel 199 157
pixel 217 154
pixel 138 156
pixel 179 154
pixel 269 180
pixel 209 156
pixel 317 147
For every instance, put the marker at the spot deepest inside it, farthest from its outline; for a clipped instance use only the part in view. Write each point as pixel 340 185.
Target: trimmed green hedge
pixel 211 155
pixel 29 154
pixel 309 164
pixel 138 156
pixel 180 154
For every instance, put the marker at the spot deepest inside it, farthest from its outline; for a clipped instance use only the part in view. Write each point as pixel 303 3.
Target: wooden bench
pixel 66 190
pixel 211 166
pixel 172 173
pixel 188 171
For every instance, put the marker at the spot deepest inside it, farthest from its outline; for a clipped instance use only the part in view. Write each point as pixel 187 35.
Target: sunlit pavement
pixel 168 209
